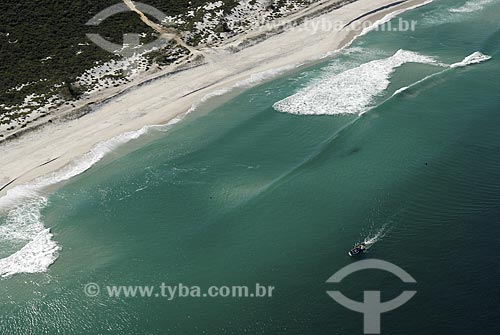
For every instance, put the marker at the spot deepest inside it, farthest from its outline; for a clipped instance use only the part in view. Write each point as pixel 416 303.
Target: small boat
pixel 358 249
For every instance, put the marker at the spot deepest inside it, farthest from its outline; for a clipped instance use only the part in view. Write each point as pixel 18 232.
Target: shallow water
pixel 244 194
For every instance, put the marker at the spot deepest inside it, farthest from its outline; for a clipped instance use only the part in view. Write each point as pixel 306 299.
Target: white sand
pixel 162 100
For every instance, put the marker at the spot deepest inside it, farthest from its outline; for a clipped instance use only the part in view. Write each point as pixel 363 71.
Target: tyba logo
pixel 131 42
pixel 371 307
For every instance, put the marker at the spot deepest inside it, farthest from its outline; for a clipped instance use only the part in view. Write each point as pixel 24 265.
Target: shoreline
pixel 162 98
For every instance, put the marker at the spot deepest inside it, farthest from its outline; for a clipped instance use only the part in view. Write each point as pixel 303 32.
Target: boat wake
pixel 376 236
pixel 474 58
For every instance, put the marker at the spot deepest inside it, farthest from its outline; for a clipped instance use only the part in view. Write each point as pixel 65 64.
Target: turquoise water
pixel 242 194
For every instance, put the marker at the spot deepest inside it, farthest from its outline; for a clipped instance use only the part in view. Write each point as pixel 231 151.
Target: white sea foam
pixel 36 256
pixel 77 166
pixel 475 58
pixel 391 16
pixel 405 88
pixel 472 6
pixel 441 16
pixel 347 47
pixel 24 222
pixel 248 82
pixel 24 225
pixel 350 92
pixel 22 205
pixel 402 89
pixel 378 235
pixel 269 74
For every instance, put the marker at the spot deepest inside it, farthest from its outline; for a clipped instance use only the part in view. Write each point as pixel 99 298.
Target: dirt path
pixel 166 33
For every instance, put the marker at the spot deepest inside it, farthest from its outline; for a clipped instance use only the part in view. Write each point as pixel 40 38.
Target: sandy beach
pixel 55 145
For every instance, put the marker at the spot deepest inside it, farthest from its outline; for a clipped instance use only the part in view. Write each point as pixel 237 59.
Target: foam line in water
pixel 23 222
pixel 402 89
pixel 371 239
pixel 405 88
pixel 350 92
pixel 456 14
pixel 269 74
pixel 248 82
pixel 24 226
pixel 76 167
pixel 23 204
pixel 391 16
pixel 36 256
pixel 475 58
pixel 471 6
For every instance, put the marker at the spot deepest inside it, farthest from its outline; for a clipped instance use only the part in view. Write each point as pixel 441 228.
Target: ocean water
pixel 394 140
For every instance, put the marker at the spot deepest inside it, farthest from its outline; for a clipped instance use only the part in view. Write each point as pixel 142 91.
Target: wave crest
pixel 23 205
pixel 474 58
pixel 350 92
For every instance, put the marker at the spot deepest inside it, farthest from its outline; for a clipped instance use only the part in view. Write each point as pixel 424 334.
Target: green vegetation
pixel 45 39
pixel 44 48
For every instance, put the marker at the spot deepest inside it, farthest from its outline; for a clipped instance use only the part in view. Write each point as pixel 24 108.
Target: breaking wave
pixel 354 91
pixel 391 16
pixel 475 58
pixel 402 89
pixel 245 83
pixel 22 205
pixel 350 92
pixel 23 226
